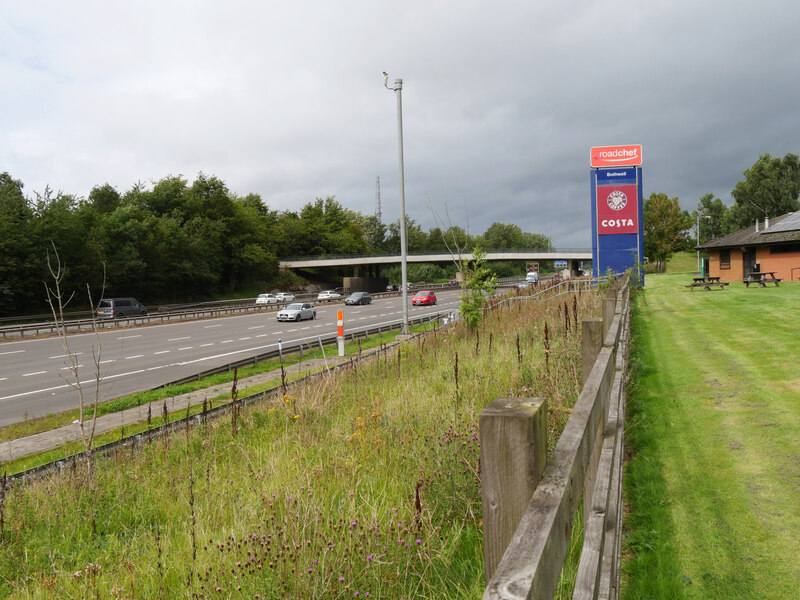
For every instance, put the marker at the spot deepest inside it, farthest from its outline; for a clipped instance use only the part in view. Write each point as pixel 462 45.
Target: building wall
pixel 781 264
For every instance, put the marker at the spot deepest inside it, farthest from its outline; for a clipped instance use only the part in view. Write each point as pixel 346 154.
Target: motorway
pixel 35 379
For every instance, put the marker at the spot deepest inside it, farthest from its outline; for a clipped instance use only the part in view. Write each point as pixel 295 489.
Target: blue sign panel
pixel 617 219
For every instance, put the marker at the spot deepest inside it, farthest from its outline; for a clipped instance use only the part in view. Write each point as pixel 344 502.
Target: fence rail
pixel 529 507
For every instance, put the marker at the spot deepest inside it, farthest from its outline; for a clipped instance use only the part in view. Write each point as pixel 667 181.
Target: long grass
pixel 362 484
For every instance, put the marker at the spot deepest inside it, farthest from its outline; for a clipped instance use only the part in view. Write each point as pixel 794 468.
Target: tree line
pixel 770 188
pixel 173 241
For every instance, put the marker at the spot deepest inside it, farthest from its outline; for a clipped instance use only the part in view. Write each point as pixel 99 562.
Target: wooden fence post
pixel 591 344
pixel 513 434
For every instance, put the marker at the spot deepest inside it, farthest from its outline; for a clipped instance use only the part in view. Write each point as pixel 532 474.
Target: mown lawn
pixel 713 479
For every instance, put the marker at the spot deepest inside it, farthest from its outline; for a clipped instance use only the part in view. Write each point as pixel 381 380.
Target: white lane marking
pixel 162 352
pixel 3 378
pixel 12 352
pixel 68 368
pixel 226 341
pixel 69 385
pixel 258 327
pixel 185 348
pixel 134 356
pixel 156 368
pixel 35 373
pixel 243 339
pixel 110 360
pixel 63 355
pixel 204 345
pixel 262 335
pixel 210 326
pixel 186 337
pixel 127 337
pixel 309 327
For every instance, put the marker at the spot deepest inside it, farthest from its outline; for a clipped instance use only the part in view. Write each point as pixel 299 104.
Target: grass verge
pixel 713 435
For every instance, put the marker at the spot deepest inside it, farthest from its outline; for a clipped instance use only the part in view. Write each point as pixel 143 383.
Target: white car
pixel 328 295
pixel 297 312
pixel 284 297
pixel 267 299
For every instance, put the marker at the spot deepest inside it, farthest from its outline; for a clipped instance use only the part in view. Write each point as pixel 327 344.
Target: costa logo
pixel 615 156
pixel 617 200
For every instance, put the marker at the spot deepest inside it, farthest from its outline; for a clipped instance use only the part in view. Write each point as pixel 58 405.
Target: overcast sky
pixel 501 100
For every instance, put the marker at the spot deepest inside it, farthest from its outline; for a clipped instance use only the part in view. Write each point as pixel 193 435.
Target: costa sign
pixel 617 209
pixel 615 156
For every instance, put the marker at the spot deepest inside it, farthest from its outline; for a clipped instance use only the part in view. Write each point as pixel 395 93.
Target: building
pixel 769 245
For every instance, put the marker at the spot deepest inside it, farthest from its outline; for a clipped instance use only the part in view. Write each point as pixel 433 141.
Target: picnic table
pixel 762 278
pixel 707 283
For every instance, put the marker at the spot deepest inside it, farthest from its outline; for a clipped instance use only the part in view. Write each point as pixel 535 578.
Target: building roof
pixel 760 234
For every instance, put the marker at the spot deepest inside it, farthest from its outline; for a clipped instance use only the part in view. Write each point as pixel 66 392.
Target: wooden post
pixel 513 434
pixel 592 334
pixel 591 343
pixel 609 305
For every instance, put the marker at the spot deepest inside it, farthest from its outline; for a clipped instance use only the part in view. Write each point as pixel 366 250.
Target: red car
pixel 423 297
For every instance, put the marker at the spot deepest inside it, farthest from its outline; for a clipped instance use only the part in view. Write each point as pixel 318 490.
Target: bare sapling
pixel 87 399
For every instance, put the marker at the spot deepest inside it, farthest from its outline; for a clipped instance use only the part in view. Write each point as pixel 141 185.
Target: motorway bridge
pixel 573 256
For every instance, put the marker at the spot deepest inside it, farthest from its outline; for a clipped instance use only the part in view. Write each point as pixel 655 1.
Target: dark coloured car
pixel 118 308
pixel 358 298
pixel 424 298
pixel 392 287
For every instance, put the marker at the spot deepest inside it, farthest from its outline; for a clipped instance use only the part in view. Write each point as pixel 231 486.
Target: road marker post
pixel 340 331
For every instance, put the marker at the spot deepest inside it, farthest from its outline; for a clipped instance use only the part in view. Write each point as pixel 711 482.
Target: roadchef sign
pixel 615 156
pixel 617 209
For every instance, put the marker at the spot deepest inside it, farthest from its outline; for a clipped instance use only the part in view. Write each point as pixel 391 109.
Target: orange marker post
pixel 340 331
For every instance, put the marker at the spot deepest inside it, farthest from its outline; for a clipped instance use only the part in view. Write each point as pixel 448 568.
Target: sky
pixel 501 101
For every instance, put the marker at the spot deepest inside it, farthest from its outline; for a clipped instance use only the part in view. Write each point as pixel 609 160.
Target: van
pixel 532 277
pixel 118 308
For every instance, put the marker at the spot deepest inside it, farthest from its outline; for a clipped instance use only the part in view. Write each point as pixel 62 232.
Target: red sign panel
pixel 617 210
pixel 615 156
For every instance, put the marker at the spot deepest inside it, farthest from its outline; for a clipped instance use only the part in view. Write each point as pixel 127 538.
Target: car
pixel 453 282
pixel 328 295
pixel 118 308
pixel 358 298
pixel 297 311
pixel 267 299
pixel 532 277
pixel 423 297
pixel 392 287
pixel 284 297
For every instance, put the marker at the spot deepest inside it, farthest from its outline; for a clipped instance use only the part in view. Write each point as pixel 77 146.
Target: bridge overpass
pixel 571 255
pixel 372 262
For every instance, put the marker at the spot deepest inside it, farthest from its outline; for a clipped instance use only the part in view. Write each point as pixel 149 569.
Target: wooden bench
pixel 707 283
pixel 762 279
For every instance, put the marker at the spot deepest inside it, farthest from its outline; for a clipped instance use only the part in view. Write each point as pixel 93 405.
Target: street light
pixel 398 90
pixel 698 237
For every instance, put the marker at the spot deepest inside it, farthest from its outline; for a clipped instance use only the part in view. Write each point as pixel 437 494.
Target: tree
pixel 479 282
pixel 770 188
pixel 716 225
pixel 18 267
pixel 665 227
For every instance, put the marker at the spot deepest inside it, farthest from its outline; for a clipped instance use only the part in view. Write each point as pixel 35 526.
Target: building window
pixel 784 249
pixel 724 259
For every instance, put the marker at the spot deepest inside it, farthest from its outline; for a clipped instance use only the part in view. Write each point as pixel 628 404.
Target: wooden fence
pixel 530 501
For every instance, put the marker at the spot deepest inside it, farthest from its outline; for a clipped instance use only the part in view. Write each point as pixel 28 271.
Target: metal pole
pixel 398 90
pixel 698 242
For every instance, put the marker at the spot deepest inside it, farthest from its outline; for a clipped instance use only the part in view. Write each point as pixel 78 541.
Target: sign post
pixel 617 209
pixel 340 331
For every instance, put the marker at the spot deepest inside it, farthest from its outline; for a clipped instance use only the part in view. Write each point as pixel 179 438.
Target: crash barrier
pixel 76 322
pixel 72 461
pixel 530 501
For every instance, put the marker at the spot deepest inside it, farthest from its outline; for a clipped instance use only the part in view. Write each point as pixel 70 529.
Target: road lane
pixel 36 378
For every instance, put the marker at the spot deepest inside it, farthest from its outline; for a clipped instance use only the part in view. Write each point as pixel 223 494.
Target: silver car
pixel 298 311
pixel 284 297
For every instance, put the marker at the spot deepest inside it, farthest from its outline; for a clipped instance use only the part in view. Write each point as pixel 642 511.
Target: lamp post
pixel 698 237
pixel 398 90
